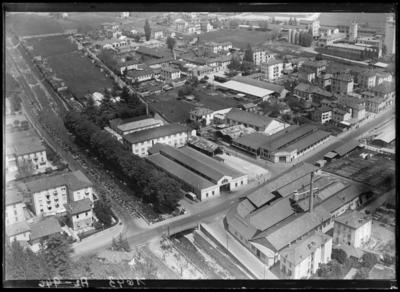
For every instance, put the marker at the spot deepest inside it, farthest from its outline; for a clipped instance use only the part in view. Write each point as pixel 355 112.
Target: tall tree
pixel 147 30
pixel 58 255
pixel 248 54
pixel 171 42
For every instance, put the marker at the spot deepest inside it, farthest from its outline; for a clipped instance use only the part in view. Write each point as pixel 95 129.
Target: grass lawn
pixel 50 46
pixel 239 38
pixel 78 72
pixel 25 24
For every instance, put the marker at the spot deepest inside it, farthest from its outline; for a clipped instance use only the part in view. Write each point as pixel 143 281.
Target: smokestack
pixel 311 193
pixel 147 109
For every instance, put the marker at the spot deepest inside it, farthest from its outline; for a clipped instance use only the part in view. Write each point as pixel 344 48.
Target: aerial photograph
pixel 141 146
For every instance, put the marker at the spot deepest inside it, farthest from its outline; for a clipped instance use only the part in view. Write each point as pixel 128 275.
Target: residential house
pixel 249 107
pixel 324 80
pixel 127 126
pixel 341 114
pixel 206 26
pixel 273 69
pixel 140 75
pixel 42 230
pixel 352 229
pixel 367 79
pixel 80 214
pixel 382 77
pixel 384 90
pixel 306 75
pixel 322 114
pixel 261 55
pixel 355 102
pixel 318 67
pixel 342 83
pixel 19 231
pixel 170 73
pixel 303 91
pixel 375 104
pixel 258 122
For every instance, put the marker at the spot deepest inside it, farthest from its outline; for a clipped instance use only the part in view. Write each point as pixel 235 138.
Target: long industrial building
pixel 283 146
pixel 278 214
pixel 201 174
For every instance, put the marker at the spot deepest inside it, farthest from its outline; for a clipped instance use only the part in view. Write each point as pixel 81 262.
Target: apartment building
pixel 272 69
pixel 352 229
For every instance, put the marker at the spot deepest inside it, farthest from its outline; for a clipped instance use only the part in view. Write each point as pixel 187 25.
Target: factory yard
pixel 254 172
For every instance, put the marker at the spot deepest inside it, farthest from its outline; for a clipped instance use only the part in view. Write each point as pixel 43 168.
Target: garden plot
pixel 253 171
pixel 175 261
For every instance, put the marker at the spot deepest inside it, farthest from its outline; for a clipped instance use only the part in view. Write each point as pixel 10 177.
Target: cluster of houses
pixel 36 198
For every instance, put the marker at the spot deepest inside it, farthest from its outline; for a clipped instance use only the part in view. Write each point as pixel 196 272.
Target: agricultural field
pixel 26 24
pixel 80 75
pixel 239 38
pixel 51 46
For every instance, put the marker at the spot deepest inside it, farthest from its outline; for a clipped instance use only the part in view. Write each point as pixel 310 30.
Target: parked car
pixel 191 196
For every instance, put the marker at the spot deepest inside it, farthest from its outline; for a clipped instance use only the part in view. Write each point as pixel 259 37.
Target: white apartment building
pixel 352 229
pixel 272 69
pixel 174 135
pixel 302 259
pixel 50 194
pixel 81 214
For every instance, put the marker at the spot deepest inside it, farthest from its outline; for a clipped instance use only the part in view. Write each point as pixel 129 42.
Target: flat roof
pixel 266 85
pixel 180 172
pixel 155 133
pixel 245 88
pixel 139 124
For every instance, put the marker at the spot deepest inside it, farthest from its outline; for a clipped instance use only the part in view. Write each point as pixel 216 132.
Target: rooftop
pixel 262 84
pixel 254 140
pixel 139 124
pixel 201 111
pixel 302 249
pixel 353 220
pixel 46 227
pixel 26 145
pixel 155 133
pixel 249 118
pixel 346 147
pixel 73 180
pixel 203 144
pixel 13 197
pixel 77 207
pixel 179 171
pixel 245 88
pixel 17 228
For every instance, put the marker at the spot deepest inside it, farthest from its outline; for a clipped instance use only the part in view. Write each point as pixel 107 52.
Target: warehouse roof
pixel 280 235
pixel 46 227
pixel 203 144
pixel 17 228
pixel 254 140
pixel 180 172
pixel 245 207
pixel 245 88
pixel 294 186
pixel 240 224
pixel 217 165
pixel 314 63
pixel 342 197
pixel 286 136
pixel 353 220
pixel 306 141
pixel 13 197
pixel 347 147
pixel 266 85
pixel 302 249
pixel 77 207
pixel 388 134
pixel 155 133
pixel 73 180
pixel 138 124
pixel 264 218
pixel 249 118
pixel 288 176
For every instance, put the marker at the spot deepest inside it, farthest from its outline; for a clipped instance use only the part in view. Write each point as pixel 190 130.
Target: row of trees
pixel 305 39
pixel 144 180
pixel 128 106
pixel 52 260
